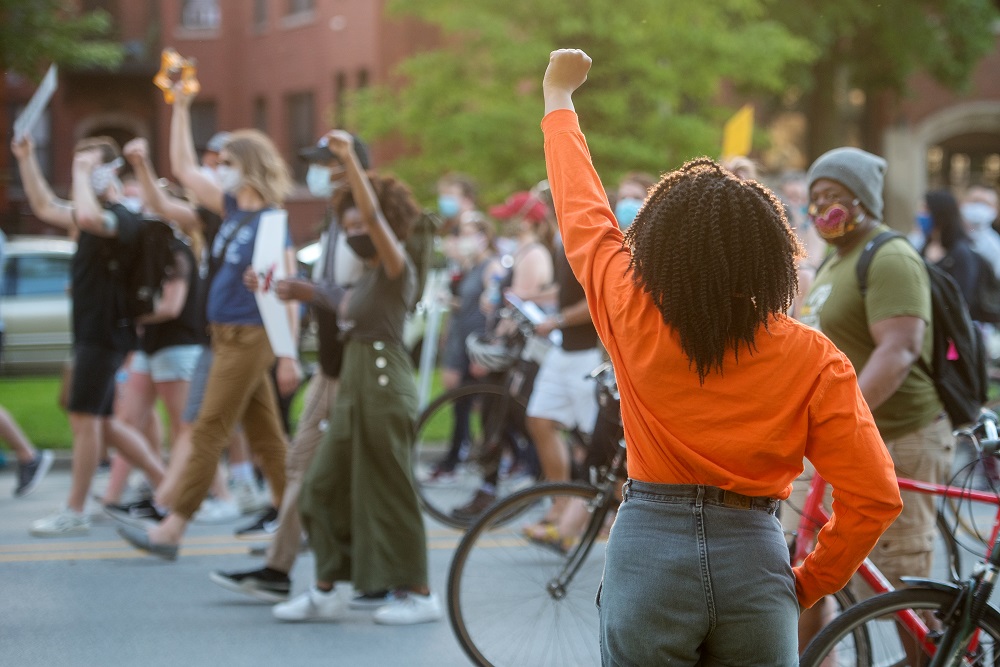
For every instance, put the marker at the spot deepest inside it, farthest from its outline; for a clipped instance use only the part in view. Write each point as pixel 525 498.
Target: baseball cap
pixel 523 204
pixel 217 142
pixel 320 152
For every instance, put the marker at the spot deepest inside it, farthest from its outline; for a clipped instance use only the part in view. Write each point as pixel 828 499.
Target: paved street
pixel 93 600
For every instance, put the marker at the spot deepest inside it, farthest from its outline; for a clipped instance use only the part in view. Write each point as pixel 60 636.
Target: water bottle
pixel 493 291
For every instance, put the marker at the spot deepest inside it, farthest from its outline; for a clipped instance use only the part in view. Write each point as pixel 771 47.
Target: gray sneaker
pixel 29 475
pixel 63 523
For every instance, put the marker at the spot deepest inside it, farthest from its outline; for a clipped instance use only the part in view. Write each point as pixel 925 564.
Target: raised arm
pixel 390 251
pixel 184 160
pixel 590 233
pixel 168 208
pixel 43 202
pixel 89 215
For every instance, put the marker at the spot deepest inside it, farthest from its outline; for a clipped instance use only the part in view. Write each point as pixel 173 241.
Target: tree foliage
pixel 877 46
pixel 653 99
pixel 36 33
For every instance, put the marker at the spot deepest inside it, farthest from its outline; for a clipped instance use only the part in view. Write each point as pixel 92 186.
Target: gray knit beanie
pixel 859 171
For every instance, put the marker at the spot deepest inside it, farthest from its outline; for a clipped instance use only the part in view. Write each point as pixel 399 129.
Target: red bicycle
pixel 929 622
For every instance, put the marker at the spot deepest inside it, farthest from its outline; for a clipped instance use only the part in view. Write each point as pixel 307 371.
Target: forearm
pixel 575 314
pixel 884 373
pixel 42 201
pixel 327 295
pixel 382 236
pixel 183 158
pixel 89 213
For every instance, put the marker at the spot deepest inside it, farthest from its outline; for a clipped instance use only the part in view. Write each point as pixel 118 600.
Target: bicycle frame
pixel 814 517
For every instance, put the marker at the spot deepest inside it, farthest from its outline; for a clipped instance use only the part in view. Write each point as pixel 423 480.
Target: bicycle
pixel 930 622
pixel 487 419
pixel 547 613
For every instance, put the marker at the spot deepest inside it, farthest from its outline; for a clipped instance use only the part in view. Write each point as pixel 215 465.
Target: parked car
pixel 35 303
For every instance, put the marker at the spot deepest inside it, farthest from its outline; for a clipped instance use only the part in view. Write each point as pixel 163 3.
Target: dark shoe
pixel 372 600
pixel 263 528
pixel 143 511
pixel 30 474
pixel 472 509
pixel 139 539
pixel 263 584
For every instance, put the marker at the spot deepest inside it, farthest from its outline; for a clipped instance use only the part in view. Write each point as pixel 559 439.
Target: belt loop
pixel 700 498
pixel 626 488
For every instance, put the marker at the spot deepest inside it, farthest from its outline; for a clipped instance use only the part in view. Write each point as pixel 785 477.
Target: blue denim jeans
pixel 695 578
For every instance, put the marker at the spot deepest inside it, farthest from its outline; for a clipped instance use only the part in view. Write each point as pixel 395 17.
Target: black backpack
pixel 958 363
pixel 987 305
pixel 151 261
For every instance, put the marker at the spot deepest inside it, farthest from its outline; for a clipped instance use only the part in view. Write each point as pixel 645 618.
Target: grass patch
pixel 33 402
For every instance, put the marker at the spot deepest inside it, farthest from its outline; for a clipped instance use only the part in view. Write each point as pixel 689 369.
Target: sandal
pixel 547 535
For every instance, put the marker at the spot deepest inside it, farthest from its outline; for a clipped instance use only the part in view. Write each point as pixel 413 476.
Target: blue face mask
pixel 626 210
pixel 448 206
pixel 924 222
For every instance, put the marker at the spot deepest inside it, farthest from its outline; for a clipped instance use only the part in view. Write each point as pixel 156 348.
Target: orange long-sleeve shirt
pixel 746 429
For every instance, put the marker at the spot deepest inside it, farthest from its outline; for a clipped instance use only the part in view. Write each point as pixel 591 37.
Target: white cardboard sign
pixel 36 105
pixel 269 265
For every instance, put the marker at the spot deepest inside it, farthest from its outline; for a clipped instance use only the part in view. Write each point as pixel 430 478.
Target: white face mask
pixel 229 178
pixel 469 247
pixel 133 204
pixel 103 176
pixel 978 214
pixel 318 181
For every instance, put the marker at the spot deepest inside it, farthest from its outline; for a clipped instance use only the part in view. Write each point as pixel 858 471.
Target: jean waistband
pixel 706 494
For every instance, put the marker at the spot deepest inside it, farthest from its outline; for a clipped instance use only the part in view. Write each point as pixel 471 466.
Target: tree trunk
pixel 822 109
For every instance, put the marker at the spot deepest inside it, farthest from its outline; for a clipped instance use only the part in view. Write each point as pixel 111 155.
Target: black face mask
pixel 362 246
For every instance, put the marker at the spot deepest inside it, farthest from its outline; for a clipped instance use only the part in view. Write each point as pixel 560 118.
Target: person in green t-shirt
pixel 885 333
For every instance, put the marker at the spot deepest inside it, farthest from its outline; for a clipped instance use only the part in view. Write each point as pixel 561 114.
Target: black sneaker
pixel 264 584
pixel 142 511
pixel 476 506
pixel 263 527
pixel 30 474
pixel 372 600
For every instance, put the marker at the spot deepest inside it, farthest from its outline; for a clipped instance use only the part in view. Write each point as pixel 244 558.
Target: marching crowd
pixel 709 293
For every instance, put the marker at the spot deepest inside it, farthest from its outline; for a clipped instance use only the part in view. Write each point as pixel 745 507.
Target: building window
pixel 260 114
pixel 203 123
pixel 260 14
pixel 201 14
pixel 300 6
pixel 301 120
pixel 362 78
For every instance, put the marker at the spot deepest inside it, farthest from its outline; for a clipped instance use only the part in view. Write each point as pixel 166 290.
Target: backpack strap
pixel 868 254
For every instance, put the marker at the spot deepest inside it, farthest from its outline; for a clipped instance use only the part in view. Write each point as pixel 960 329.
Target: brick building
pixel 282 66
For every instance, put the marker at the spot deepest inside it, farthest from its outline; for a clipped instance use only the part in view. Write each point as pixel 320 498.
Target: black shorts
pixel 92 390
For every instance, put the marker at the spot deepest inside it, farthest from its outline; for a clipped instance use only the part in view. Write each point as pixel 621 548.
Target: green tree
pixel 875 47
pixel 36 33
pixel 653 98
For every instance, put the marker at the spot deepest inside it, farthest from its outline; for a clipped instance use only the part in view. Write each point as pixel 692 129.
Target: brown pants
pixel 313 423
pixel 239 390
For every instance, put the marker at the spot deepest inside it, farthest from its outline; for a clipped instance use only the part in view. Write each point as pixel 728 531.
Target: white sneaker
pixel 250 497
pixel 213 510
pixel 313 605
pixel 63 522
pixel 410 609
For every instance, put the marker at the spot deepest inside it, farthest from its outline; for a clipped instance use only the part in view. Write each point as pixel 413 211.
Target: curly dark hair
pixel 395 199
pixel 717 257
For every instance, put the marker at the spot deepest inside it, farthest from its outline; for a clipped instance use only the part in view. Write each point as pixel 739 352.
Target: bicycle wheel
pixel 494 438
pixel 515 602
pixel 887 644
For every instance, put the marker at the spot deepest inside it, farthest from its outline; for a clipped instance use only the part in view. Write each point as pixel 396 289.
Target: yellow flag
pixel 737 135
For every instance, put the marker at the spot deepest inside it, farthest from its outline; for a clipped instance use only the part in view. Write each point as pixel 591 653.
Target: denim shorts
pixel 196 390
pixel 697 575
pixel 175 363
